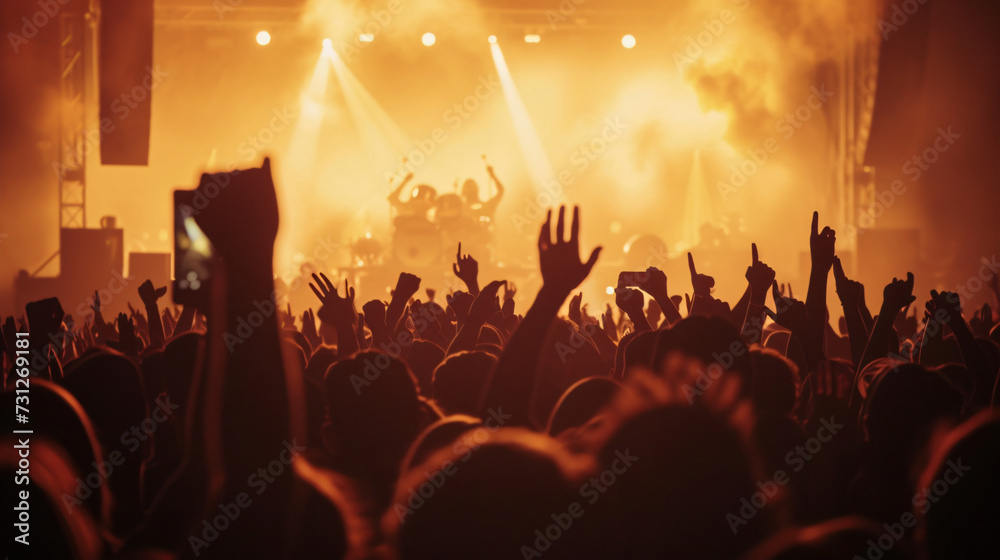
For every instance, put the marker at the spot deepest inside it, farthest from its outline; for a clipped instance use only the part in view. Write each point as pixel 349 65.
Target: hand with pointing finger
pixel 701 283
pixel 822 245
pixel 760 276
pixel 467 269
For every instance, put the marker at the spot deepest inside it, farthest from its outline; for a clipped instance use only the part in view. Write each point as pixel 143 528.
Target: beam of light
pixel 297 170
pixel 628 41
pixel 537 163
pixel 263 38
pixel 428 39
pixel 697 206
pixel 383 140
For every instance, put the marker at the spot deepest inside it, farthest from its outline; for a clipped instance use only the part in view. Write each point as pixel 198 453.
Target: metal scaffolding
pixel 71 167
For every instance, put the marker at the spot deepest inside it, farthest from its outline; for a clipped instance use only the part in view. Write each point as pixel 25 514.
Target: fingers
pixel 771 314
pixel 458 255
pixel 315 291
pixel 321 292
pixel 790 294
pixel 909 280
pixel 326 281
pixel 753 250
pixel 838 269
pixel 815 224
pixel 775 294
pixel 574 228
pixel 561 224
pixel 691 264
pixel 454 268
pixel 544 235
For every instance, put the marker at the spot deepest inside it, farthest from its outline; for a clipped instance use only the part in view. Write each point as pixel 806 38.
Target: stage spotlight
pixel 327 44
pixel 428 39
pixel 263 38
pixel 628 41
pixel 609 290
pixel 492 39
pixel 532 38
pixel 366 37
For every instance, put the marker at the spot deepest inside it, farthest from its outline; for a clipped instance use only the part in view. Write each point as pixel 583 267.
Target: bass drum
pixel 416 242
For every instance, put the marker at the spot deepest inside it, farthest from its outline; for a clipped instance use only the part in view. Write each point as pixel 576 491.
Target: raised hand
pixel 788 312
pixel 509 292
pixel 898 294
pixel 562 269
pixel 460 302
pixel 759 275
pixel 150 295
pixel 948 304
pixel 96 303
pixel 575 313
pixel 336 310
pixel 631 302
pixel 982 321
pixel 309 328
pixel 127 341
pixel 848 290
pixel 287 319
pixel 822 245
pixel 608 323
pixel 485 305
pixel 241 219
pixel 374 314
pixel 406 286
pixel 701 283
pixel 467 269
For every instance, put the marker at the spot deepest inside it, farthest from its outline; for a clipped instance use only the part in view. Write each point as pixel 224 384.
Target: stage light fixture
pixel 366 37
pixel 428 39
pixel 532 38
pixel 628 41
pixel 327 44
pixel 609 290
pixel 263 38
pixel 492 39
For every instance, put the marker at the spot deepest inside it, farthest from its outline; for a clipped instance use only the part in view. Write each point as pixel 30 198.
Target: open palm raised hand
pixel 562 269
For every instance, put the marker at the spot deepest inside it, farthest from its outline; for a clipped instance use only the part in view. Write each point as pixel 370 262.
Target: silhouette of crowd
pixel 501 425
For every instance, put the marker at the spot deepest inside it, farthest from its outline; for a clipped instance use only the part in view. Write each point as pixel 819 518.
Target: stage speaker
pixel 884 254
pixel 127 79
pixel 90 254
pixel 149 266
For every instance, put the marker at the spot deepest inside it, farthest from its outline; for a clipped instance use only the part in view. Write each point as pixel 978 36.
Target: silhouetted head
pixel 775 384
pixel 180 357
pixel 53 530
pixel 674 477
pixel 437 436
pixel 846 537
pixel 470 191
pixel 904 404
pixel 964 481
pixel 460 380
pixel 372 406
pixel 580 403
pixel 63 422
pixel 320 361
pixel 714 341
pixel 487 500
pixel 109 387
pixel 423 359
